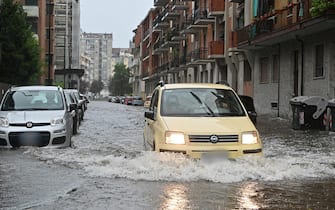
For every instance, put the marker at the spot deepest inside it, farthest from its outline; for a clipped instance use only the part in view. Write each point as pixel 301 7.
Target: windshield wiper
pixel 209 111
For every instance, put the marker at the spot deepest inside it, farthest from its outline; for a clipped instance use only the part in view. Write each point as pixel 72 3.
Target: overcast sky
pixel 119 17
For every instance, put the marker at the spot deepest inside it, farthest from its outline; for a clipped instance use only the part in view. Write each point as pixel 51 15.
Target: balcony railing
pixel 201 16
pixel 217 7
pixel 216 49
pixel 198 56
pixel 160 3
pixel 278 20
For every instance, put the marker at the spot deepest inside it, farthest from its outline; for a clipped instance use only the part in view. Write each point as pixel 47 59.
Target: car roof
pixel 195 85
pixel 35 87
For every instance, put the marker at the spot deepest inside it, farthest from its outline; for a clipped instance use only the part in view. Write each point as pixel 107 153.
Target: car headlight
pixel 57 121
pixel 249 138
pixel 174 138
pixel 4 122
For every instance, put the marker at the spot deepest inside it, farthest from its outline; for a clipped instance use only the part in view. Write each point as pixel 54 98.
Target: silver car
pixel 35 116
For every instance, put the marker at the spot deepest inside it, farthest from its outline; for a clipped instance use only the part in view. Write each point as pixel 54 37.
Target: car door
pixel 149 123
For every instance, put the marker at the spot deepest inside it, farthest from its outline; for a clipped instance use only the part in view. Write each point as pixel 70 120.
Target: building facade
pixel 40 15
pixel 67 43
pixel 99 48
pixel 272 50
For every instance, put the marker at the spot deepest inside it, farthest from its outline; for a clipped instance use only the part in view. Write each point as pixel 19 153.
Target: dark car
pixel 80 102
pixel 248 103
pixel 70 99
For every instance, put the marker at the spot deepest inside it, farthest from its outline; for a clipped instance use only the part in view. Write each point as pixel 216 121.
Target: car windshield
pixel 32 100
pixel 196 102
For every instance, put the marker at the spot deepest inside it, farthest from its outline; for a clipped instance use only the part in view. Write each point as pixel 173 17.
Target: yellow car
pixel 199 120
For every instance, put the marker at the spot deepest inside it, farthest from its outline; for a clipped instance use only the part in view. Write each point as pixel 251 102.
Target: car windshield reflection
pixel 29 100
pixel 204 102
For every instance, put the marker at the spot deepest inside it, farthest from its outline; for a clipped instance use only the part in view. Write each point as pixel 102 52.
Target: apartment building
pixel 99 48
pixel 271 50
pixel 40 17
pixel 67 40
pixel 290 52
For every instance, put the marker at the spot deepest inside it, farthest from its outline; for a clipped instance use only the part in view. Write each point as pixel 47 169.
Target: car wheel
pixel 75 127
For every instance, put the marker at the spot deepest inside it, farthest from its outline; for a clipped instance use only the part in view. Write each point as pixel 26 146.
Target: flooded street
pixel 108 168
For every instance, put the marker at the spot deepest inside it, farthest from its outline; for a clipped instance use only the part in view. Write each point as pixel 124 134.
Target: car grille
pixel 39 139
pixel 206 138
pixel 25 124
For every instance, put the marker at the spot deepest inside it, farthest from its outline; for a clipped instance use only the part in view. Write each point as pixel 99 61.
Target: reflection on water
pixel 175 197
pixel 247 195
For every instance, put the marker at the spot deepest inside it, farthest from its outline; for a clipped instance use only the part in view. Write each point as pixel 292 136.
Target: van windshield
pixel 33 100
pixel 197 102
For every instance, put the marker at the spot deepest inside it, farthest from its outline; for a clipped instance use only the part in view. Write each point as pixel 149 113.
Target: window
pixel 32 2
pixel 319 61
pixel 264 63
pixel 275 68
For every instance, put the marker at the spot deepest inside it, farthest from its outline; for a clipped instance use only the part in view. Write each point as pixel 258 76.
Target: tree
pixel 20 61
pixel 119 84
pixel 96 86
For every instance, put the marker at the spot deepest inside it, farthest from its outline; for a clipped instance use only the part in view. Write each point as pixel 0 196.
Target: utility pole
pixel 50 11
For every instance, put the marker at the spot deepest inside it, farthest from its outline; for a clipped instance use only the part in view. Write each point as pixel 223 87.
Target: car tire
pixel 75 127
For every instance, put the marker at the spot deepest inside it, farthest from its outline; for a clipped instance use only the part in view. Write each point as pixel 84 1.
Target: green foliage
pixel 60 84
pixel 319 7
pixel 20 61
pixel 119 84
pixel 96 86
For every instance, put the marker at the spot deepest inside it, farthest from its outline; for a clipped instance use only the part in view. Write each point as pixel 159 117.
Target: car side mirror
pixel 150 115
pixel 73 107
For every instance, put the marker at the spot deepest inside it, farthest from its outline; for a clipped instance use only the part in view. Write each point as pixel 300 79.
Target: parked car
pixel 35 116
pixel 70 100
pixel 122 98
pixel 128 100
pixel 147 102
pixel 248 103
pixel 80 102
pixel 137 101
pixel 85 99
pixel 200 120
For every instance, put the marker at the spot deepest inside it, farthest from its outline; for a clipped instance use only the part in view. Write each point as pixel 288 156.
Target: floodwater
pixel 108 168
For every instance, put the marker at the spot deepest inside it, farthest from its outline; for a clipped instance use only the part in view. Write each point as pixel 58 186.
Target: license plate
pixel 215 156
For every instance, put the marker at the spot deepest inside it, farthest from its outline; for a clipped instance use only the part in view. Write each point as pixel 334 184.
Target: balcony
pixel 160 48
pixel 216 8
pixel 170 15
pixel 160 3
pixel 178 64
pixel 198 57
pixel 199 21
pixel 216 49
pixel 283 25
pixel 201 17
pixel 178 6
pixel 159 25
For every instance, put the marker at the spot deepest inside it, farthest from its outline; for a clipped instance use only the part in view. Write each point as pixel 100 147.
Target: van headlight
pixel 249 138
pixel 174 138
pixel 4 122
pixel 57 121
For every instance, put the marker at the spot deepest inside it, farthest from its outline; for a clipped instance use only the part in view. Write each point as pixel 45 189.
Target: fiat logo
pixel 214 139
pixel 29 124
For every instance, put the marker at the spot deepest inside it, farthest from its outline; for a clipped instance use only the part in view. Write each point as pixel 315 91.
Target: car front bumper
pixel 41 136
